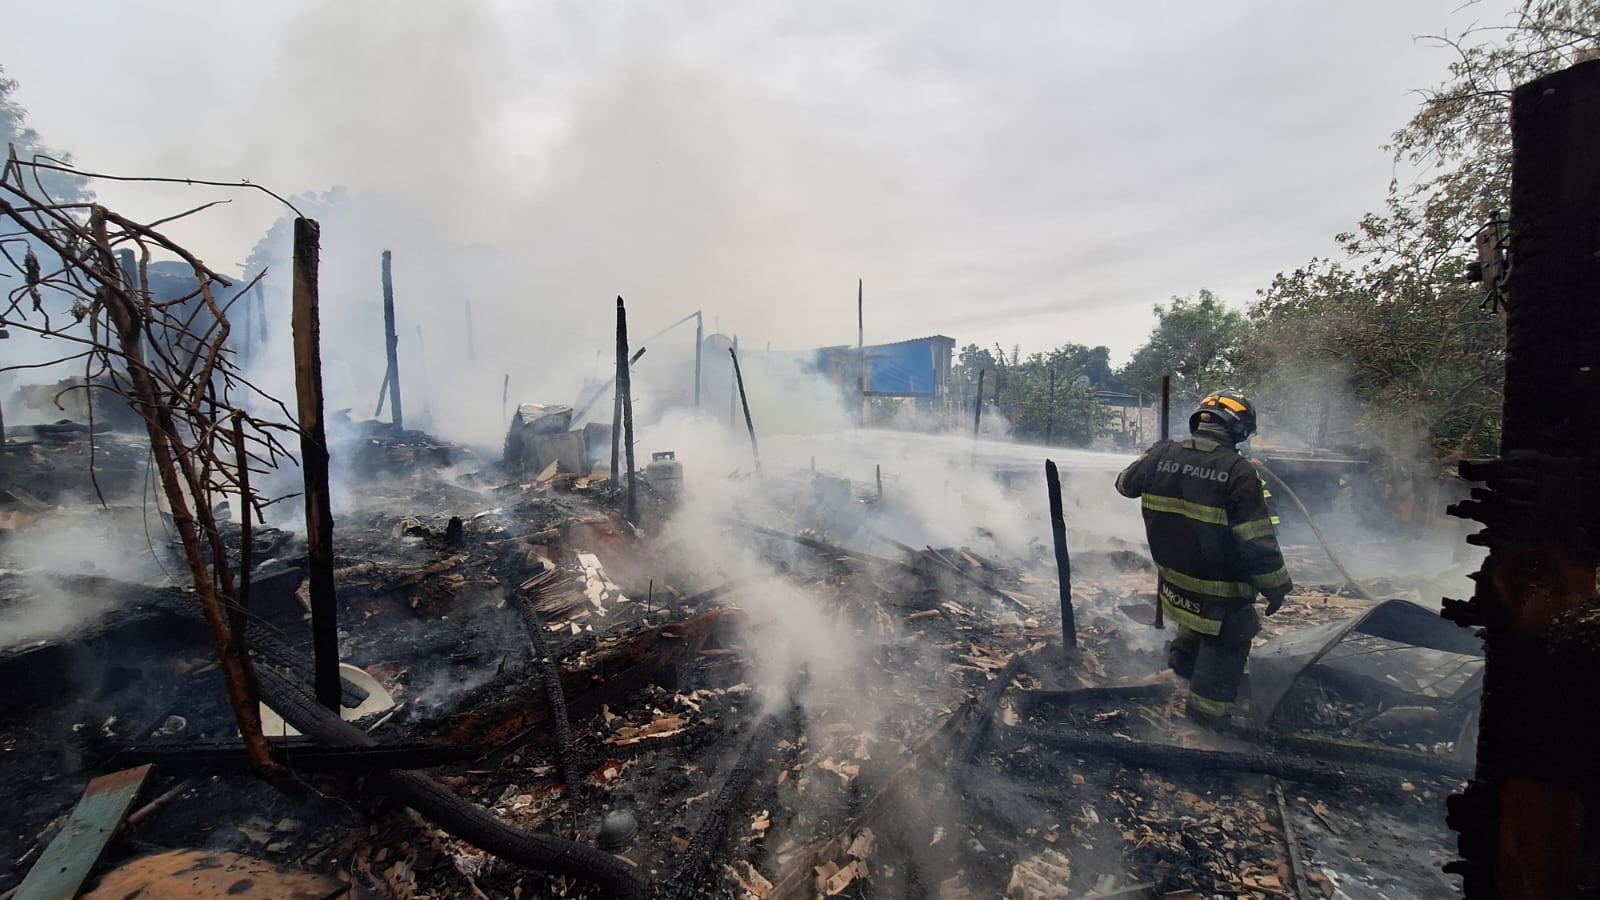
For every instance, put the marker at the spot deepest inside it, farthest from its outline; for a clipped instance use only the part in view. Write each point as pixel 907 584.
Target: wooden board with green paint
pixel 60 872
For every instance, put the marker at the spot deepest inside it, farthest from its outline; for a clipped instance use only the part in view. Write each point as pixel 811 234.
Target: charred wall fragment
pixel 1528 819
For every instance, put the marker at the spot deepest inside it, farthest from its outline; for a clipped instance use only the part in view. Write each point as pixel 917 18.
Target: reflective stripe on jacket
pixel 1210 532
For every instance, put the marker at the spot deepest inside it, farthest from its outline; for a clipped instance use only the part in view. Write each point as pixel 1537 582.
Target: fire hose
pixel 435 802
pixel 1321 539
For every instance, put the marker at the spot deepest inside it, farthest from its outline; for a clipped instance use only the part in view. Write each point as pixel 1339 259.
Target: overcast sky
pixel 1029 172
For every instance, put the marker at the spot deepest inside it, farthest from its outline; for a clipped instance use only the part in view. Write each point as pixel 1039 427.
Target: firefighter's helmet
pixel 1230 409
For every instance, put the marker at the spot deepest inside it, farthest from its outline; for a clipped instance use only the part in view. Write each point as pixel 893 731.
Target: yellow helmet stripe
pixel 1231 403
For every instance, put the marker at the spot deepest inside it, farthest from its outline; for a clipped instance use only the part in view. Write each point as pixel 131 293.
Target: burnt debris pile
pixel 623 705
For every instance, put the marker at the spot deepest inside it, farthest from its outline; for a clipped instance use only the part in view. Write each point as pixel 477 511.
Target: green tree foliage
pixel 1395 326
pixel 1392 356
pixel 1194 340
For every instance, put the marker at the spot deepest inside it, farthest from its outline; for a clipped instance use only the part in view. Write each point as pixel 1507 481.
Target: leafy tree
pixel 1194 340
pixel 971 360
pixel 1395 327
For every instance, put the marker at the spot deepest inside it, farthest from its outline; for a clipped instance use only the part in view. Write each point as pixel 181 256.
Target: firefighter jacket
pixel 1211 534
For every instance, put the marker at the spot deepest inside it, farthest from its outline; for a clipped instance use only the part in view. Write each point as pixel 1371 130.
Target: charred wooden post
pixel 1167 407
pixel 307 324
pixel 733 391
pixel 744 402
pixel 396 412
pixel 977 404
pixel 624 386
pixel 1058 528
pixel 1528 821
pixel 616 392
pixel 550 676
pixel 505 400
pixel 239 614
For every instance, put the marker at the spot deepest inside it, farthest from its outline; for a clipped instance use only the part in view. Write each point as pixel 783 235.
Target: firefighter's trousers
pixel 1214 665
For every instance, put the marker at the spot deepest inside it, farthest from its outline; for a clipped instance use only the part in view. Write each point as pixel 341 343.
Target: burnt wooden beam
pixel 1171 757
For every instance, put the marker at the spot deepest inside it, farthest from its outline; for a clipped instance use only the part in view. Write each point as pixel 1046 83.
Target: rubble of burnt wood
pixel 576 677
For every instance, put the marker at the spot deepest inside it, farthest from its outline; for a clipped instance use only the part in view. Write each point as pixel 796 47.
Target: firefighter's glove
pixel 1275 602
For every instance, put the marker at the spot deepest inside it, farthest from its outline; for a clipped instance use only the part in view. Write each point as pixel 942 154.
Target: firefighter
pixel 1215 547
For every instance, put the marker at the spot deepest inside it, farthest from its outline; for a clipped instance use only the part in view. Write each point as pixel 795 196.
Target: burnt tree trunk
pixel 176 470
pixel 1529 820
